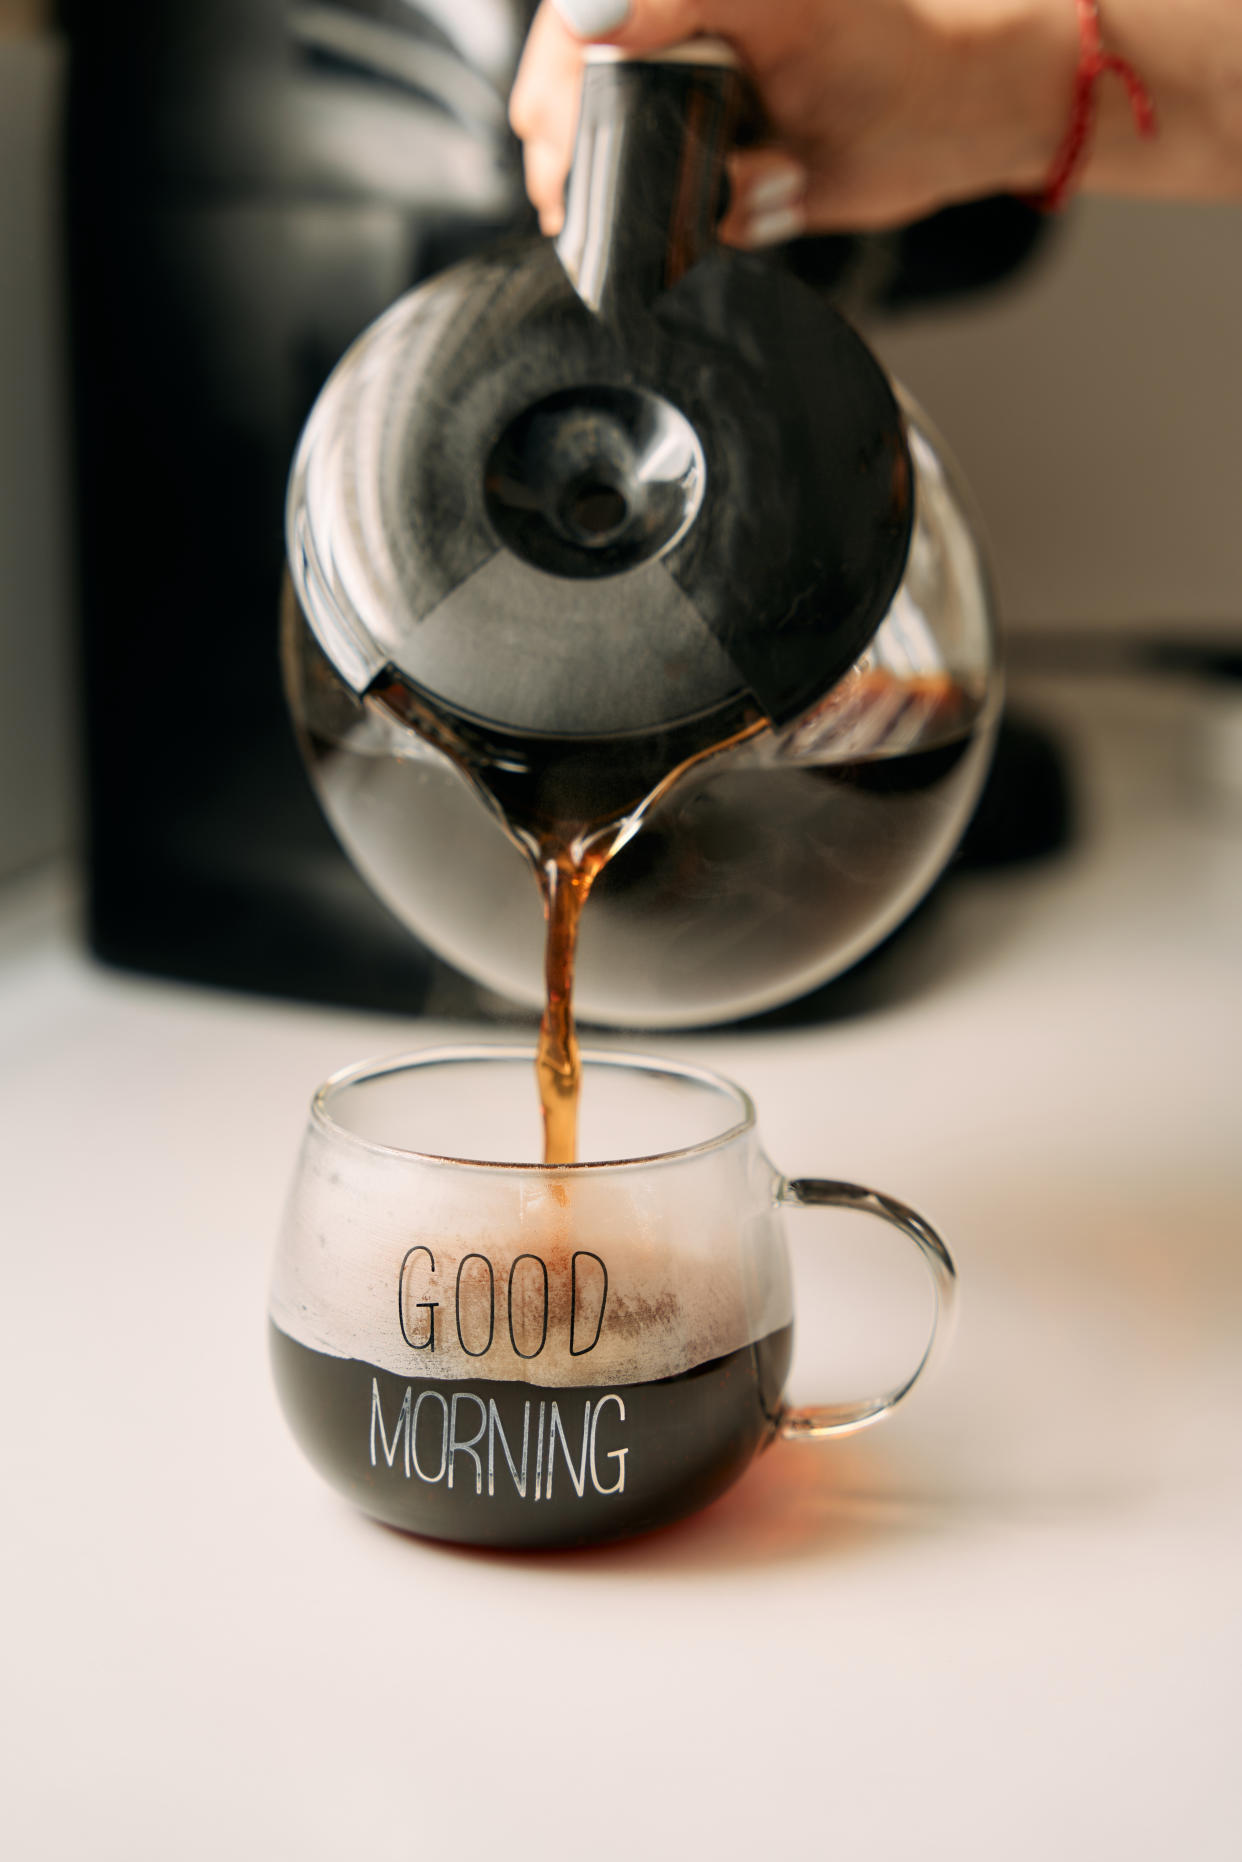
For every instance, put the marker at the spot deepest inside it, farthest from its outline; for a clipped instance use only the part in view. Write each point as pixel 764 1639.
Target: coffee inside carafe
pixel 703 829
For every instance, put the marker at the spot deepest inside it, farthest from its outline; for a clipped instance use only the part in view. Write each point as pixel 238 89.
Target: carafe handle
pixel 646 185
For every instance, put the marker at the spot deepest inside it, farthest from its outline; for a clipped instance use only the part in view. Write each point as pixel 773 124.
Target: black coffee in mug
pixel 516 1354
pixel 526 1464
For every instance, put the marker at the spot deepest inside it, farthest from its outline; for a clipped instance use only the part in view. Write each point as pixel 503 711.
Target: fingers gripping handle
pixel 844 1418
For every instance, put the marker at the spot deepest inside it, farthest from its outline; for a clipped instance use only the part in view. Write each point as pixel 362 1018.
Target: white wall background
pixel 1096 409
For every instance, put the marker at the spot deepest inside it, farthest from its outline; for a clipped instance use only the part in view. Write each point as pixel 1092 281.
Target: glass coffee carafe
pixel 626 544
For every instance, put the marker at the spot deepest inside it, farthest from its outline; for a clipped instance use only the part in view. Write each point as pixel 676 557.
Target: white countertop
pixel 1007 1624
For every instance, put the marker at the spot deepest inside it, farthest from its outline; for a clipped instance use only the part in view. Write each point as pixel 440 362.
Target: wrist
pixel 1096 66
pixel 1190 60
pixel 1012 64
pixel 1060 112
pixel 1165 116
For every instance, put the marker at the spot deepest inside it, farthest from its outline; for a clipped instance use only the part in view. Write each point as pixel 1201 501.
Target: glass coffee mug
pixel 508 1353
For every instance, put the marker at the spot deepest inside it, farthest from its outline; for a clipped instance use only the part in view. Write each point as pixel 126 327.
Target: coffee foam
pixel 586 1279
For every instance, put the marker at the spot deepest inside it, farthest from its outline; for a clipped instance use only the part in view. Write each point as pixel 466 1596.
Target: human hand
pixel 878 111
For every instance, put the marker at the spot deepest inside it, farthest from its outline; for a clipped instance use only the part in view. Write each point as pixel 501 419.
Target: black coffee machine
pixel 249 184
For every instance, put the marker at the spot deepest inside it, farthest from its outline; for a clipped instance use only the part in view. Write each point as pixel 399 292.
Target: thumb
pixel 637 25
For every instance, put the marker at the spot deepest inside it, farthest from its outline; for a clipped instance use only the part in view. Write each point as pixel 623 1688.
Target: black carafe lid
pixel 613 485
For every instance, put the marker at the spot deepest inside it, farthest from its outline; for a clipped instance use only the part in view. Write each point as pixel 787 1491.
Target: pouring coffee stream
pixel 620 532
pixel 567 848
pixel 567 873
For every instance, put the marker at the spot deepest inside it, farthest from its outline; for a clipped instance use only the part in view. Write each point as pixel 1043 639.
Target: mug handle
pixel 801 1425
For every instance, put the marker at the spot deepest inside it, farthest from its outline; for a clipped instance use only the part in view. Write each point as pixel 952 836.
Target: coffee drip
pixel 632 535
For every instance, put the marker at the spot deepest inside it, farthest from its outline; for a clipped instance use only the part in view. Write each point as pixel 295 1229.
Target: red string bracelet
pixel 1093 63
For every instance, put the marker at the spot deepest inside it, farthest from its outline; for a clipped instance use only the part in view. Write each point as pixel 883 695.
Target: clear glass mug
pixel 508 1353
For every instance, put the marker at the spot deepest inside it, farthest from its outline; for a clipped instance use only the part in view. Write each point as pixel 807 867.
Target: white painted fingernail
pixel 780 187
pixel 774 227
pixel 590 18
